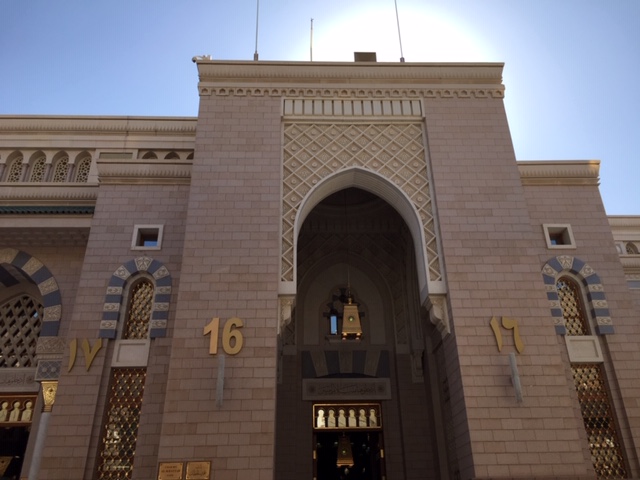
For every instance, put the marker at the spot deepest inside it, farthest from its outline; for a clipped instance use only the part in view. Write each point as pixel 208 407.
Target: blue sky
pixel 571 66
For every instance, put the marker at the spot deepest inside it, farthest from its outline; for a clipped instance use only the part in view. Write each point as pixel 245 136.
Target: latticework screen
pixel 606 451
pixel 572 310
pixel 20 322
pixel 118 443
pixel 139 312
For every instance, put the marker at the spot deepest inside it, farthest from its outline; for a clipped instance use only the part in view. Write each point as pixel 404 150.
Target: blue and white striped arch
pixel 114 296
pixel 598 306
pixel 35 270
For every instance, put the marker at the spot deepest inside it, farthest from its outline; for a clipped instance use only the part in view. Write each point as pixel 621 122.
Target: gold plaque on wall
pixel 170 471
pixel 198 470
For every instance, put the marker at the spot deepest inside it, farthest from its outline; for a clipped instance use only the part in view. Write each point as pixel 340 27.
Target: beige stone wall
pixel 229 269
pixel 74 431
pixel 486 236
pixel 582 208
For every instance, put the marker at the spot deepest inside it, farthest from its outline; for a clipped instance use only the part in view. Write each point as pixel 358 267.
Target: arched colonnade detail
pixel 47 285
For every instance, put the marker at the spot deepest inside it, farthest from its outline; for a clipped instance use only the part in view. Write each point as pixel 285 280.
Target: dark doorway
pixel 13 444
pixel 366 448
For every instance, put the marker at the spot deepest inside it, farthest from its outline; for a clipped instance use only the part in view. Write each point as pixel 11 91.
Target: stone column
pixel 49 389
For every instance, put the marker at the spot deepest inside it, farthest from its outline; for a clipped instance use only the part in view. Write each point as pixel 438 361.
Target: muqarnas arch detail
pixel 592 285
pixel 115 291
pixel 46 283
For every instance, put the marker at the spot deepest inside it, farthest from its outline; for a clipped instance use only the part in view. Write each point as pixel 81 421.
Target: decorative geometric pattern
pixel 15 171
pixel 159 304
pixel 20 323
pixel 631 249
pixel 47 285
pixel 48 370
pixel 139 312
pixel 82 170
pixel 394 151
pixel 120 433
pixel 593 396
pixel 60 172
pixel 37 170
pixel 571 308
pixel 597 306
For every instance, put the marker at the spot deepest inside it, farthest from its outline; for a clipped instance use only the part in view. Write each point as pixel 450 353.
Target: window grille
pixel 20 321
pixel 591 386
pixel 139 311
pixel 118 443
pixel 606 451
pixel 631 249
pixel 82 170
pixel 60 173
pixel 15 171
pixel 37 170
pixel 571 305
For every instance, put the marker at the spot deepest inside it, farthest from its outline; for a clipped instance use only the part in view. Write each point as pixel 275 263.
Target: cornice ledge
pixel 35 193
pixel 561 172
pixel 624 221
pixel 630 261
pixel 97 124
pixel 235 72
pixel 156 171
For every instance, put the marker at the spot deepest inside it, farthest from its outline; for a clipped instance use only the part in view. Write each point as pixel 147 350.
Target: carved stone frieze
pixel 286 305
pixel 18 379
pixel 325 389
pixel 50 347
pixel 439 313
pixel 206 90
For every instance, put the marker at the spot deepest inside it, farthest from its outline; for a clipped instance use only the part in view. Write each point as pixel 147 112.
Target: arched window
pixel 139 310
pixel 20 322
pixel 591 387
pixel 572 309
pixel 172 156
pixel 60 170
pixel 82 170
pixel 14 173
pixel 37 169
pixel 631 249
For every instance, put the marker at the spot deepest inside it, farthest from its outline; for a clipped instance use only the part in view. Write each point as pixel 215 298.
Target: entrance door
pixel 366 449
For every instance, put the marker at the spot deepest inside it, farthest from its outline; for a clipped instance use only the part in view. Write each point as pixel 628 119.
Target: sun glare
pixel 427 36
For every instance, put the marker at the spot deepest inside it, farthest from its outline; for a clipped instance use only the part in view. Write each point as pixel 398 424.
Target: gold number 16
pixel 229 332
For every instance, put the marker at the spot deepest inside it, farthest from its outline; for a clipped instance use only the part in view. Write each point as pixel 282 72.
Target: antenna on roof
pixel 399 37
pixel 255 54
pixel 311 43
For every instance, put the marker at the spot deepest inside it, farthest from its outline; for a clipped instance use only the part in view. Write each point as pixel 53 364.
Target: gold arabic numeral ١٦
pixel 495 326
pixel 512 324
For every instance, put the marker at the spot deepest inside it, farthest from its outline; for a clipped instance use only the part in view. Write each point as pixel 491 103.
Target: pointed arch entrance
pixel 356 233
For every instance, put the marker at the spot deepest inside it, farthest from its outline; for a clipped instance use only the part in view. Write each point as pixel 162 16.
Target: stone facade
pixel 297 186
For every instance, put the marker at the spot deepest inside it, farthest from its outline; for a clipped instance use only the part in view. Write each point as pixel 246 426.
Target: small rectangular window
pixel 334 324
pixel 558 236
pixel 147 237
